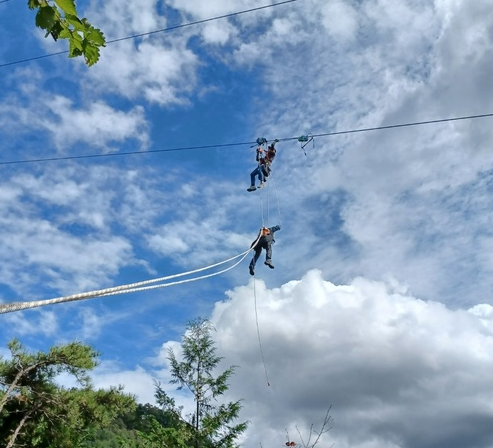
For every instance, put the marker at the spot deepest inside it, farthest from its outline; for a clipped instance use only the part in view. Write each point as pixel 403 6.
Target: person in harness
pixel 264 241
pixel 264 159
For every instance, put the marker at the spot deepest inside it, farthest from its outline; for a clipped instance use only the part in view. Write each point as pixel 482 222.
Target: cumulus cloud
pixel 396 369
pixel 68 124
pixel 137 382
pixel 340 19
pixel 75 249
pixel 159 72
pixel 42 323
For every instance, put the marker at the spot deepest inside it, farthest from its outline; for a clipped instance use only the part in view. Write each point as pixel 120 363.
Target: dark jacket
pixel 266 240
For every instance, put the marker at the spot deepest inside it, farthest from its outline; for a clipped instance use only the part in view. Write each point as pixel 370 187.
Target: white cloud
pixel 141 17
pixel 159 72
pixel 340 19
pixel 42 323
pixel 73 250
pixel 137 382
pixel 68 123
pixel 385 361
pixel 388 363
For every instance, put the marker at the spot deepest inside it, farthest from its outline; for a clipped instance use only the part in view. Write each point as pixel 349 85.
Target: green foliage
pixel 36 412
pixel 157 436
pixel 60 20
pixel 211 424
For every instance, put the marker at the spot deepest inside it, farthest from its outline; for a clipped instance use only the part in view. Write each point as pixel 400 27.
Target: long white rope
pixel 258 334
pixel 132 287
pixel 164 285
pixel 277 198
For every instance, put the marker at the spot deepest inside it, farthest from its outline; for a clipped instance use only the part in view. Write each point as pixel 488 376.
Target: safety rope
pixel 267 208
pixel 164 285
pixel 262 208
pixel 277 199
pixel 132 287
pixel 258 334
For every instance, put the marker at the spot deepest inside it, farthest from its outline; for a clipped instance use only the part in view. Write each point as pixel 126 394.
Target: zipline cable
pixel 171 28
pixel 224 145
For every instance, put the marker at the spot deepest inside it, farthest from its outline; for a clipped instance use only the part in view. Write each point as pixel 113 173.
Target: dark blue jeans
pixel 258 251
pixel 256 172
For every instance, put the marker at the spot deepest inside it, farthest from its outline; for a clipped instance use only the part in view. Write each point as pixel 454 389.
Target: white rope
pixel 262 208
pixel 132 287
pixel 164 285
pixel 277 199
pixel 258 333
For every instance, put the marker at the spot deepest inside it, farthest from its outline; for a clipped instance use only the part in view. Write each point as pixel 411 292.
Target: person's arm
pixel 259 153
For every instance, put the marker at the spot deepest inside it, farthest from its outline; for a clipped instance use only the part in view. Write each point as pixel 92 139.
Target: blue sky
pixel 380 301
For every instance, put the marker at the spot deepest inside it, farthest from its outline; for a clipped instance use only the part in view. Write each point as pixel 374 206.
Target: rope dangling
pixel 258 335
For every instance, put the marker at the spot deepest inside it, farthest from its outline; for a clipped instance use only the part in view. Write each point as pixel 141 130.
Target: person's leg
pixel 261 177
pixel 253 174
pixel 268 256
pixel 256 256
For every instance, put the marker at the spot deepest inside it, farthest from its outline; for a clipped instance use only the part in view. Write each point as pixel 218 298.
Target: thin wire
pixel 189 148
pixel 258 334
pixel 94 156
pixel 392 126
pixel 198 22
pixel 171 28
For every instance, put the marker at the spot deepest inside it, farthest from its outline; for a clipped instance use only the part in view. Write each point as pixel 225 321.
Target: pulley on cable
pixel 305 139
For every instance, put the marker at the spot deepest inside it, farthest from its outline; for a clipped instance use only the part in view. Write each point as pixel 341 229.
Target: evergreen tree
pixel 211 424
pixel 36 412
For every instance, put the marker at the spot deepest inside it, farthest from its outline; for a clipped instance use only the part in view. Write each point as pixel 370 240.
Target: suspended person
pixel 264 240
pixel 263 168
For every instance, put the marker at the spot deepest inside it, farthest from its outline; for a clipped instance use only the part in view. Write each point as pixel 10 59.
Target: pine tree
pixel 211 424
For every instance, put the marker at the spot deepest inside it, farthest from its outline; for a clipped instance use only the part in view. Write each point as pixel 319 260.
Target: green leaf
pixel 91 53
pixel 75 22
pixel 68 6
pixel 73 49
pixel 46 18
pixel 65 34
pixel 56 30
pixel 62 22
pixel 96 37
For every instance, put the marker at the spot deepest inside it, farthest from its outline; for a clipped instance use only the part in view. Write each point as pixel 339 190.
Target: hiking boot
pixel 268 263
pixel 252 272
pixel 261 185
pixel 251 188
